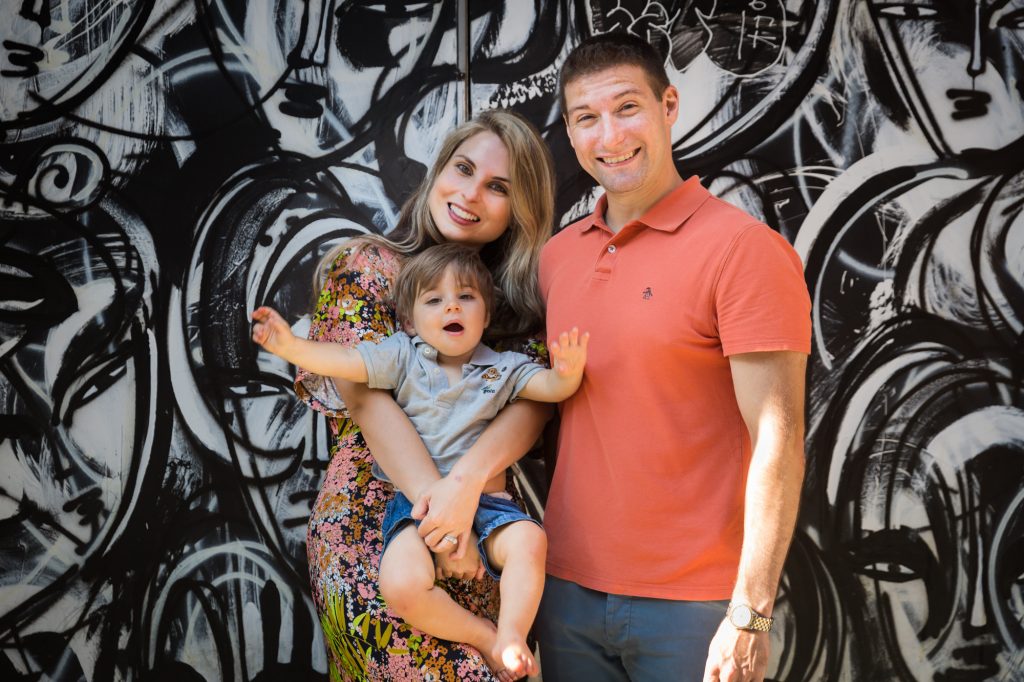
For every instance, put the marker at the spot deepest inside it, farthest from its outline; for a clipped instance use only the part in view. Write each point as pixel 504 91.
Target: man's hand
pixel 467 567
pixel 569 353
pixel 737 655
pixel 270 330
pixel 446 508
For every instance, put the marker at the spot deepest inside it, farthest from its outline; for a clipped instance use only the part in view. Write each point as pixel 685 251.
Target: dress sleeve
pixel 353 306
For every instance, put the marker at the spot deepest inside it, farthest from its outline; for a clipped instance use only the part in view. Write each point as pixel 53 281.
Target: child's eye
pixel 467 297
pixel 433 300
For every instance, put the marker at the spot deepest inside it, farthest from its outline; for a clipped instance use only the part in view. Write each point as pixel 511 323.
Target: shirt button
pixel 611 248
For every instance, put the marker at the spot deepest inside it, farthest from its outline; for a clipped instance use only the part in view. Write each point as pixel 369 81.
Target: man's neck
pixel 627 207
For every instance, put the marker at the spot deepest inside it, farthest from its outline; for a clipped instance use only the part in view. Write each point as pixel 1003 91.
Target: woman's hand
pixel 446 508
pixel 467 567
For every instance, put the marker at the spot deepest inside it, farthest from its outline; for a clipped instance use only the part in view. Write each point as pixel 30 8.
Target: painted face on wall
pixel 958 67
pixel 931 521
pixel 322 66
pixel 80 403
pixel 55 54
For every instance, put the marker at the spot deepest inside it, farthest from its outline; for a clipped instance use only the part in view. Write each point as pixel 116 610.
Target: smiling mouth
pixel 454 328
pixel 614 160
pixel 463 214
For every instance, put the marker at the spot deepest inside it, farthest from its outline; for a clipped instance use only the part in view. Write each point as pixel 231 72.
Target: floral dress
pixel 365 641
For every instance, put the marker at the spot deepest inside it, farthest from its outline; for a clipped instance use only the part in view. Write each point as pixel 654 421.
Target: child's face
pixel 450 316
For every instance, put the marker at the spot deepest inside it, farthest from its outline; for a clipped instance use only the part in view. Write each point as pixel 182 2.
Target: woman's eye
pixel 464 168
pixel 499 188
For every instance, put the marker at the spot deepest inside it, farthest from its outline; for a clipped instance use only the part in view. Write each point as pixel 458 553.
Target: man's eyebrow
pixel 631 90
pixel 470 162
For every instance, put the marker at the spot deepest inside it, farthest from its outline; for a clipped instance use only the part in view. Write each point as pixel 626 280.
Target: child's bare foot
pixel 487 649
pixel 517 659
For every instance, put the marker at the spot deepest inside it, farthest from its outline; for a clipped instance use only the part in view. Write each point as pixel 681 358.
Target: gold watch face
pixel 741 616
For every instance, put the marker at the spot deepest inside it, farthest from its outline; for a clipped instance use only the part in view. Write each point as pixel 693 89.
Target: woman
pixel 491 186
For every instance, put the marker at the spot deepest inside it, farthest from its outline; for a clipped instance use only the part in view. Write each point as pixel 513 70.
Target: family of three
pixel 680 441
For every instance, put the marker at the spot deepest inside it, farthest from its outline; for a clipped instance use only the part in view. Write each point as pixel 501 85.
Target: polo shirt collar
pixel 483 356
pixel 671 211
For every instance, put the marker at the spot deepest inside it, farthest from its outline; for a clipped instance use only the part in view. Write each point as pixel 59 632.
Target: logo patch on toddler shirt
pixel 492 374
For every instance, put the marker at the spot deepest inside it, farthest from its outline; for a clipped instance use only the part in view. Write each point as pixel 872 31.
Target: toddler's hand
pixel 270 330
pixel 569 353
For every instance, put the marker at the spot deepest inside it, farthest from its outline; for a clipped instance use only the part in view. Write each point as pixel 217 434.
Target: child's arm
pixel 568 356
pixel 326 359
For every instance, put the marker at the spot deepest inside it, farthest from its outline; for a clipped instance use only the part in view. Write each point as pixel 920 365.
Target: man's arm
pixel 769 390
pixel 327 359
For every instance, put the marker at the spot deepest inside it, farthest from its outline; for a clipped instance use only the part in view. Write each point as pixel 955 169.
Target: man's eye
pixel 585 118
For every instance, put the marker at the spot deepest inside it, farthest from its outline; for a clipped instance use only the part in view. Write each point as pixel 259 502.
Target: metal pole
pixel 462 47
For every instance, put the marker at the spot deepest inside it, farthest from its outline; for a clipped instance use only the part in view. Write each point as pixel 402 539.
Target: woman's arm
pixel 391 437
pixel 448 504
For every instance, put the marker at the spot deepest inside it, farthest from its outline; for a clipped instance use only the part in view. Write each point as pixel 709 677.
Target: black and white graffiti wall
pixel 166 166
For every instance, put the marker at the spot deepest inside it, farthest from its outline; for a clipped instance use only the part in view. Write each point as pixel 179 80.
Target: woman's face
pixel 469 200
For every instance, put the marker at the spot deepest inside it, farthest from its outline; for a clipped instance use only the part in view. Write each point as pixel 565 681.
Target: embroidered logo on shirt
pixel 492 374
pixel 648 293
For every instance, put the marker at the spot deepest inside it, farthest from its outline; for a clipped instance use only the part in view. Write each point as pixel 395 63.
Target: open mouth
pixel 454 328
pixel 463 214
pixel 622 158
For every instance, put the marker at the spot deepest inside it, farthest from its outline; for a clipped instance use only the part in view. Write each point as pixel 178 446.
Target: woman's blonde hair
pixel 514 257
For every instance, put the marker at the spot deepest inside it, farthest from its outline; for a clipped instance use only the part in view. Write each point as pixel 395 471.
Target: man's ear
pixel 671 102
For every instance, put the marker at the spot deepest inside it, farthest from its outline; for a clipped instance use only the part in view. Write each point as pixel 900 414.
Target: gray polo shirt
pixel 449 419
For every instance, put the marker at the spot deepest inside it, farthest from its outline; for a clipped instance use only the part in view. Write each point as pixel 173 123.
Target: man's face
pixel 622 131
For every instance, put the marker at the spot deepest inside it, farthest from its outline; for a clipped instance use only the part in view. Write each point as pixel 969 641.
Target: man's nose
pixel 611 133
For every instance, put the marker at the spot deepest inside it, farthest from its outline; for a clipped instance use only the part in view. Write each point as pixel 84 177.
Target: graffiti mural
pixel 166 166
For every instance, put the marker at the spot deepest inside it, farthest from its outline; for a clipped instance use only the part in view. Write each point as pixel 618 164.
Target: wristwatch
pixel 743 617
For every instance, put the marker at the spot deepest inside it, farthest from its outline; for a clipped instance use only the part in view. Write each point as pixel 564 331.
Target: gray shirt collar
pixel 483 356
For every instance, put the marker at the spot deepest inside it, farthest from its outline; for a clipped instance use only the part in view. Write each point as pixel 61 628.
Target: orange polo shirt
pixel 647 496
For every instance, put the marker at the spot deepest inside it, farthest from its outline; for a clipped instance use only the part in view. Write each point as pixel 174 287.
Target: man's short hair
pixel 608 50
pixel 425 269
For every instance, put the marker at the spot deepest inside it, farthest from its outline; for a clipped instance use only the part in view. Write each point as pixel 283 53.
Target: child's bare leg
pixel 406 582
pixel 518 550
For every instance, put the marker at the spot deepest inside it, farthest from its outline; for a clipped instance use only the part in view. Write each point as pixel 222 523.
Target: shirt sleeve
pixel 353 306
pixel 386 361
pixel 523 369
pixel 760 298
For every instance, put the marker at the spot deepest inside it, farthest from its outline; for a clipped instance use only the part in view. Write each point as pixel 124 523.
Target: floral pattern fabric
pixel 365 641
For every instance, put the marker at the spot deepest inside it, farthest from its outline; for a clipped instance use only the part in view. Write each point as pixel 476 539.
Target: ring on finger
pixel 451 538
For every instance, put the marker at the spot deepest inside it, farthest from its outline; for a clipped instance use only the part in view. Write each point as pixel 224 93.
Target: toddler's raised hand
pixel 270 330
pixel 569 353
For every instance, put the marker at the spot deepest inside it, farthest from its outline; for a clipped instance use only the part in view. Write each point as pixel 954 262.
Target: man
pixel 680 459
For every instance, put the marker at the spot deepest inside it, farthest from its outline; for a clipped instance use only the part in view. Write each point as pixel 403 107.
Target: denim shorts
pixel 491 514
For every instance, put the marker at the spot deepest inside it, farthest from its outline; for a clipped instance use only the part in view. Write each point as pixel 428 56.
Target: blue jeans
pixel 491 514
pixel 593 636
